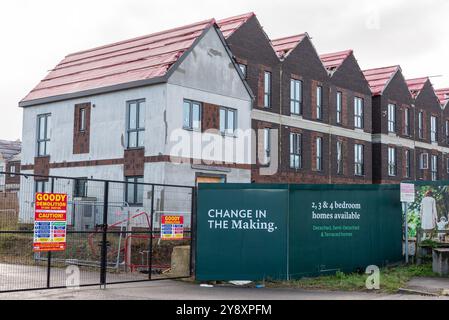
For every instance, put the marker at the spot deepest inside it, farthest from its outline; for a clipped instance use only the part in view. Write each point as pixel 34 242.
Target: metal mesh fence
pixel 113 233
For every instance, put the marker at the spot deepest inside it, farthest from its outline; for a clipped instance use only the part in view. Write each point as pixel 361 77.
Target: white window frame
pixel 224 121
pixel 407 121
pixel 359 160
pixel 433 129
pixel 42 186
pixel 82 112
pixel 391 118
pixel 267 145
pixel 244 69
pixel 424 161
pixel 136 184
pixel 267 85
pixel 43 142
pixel 339 107
pixel 319 102
pixel 295 151
pixel 296 95
pixel 447 131
pixel 434 167
pixel 12 171
pixel 408 164
pixel 359 105
pixel 420 125
pixel 319 154
pixel 392 162
pixel 193 124
pixel 136 131
pixel 339 157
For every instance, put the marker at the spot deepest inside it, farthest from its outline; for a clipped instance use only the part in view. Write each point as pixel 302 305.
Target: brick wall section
pixel 81 138
pixel 428 102
pixel 134 162
pixel 308 173
pixel 350 80
pixel 42 167
pixel 12 179
pixel 444 118
pixel 210 117
pixel 397 93
pixel 304 62
pixel 249 43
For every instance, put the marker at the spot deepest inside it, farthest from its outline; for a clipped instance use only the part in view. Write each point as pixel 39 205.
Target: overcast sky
pixel 36 35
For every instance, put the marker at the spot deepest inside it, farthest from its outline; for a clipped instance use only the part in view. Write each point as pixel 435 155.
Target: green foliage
pixel 439 193
pixel 429 243
pixel 391 279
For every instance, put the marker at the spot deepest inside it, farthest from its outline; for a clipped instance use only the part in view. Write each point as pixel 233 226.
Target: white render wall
pixel 108 125
pixel 206 75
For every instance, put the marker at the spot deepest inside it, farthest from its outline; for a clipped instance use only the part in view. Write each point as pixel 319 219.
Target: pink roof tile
pixel 416 85
pixel 379 78
pixel 141 58
pixel 283 46
pixel 229 25
pixel 443 95
pixel 332 61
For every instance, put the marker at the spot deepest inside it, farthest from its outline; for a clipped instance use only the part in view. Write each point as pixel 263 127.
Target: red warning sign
pixel 50 222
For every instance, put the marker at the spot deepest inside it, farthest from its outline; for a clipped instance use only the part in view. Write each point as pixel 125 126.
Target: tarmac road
pixel 180 290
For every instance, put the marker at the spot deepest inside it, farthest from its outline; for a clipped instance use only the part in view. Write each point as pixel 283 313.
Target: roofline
pixel 181 59
pixel 292 36
pixel 91 92
pixel 389 80
pixel 433 90
pixel 337 52
pixel 234 62
pixel 137 38
pixel 284 57
pixel 139 83
pixel 117 87
pixel 306 35
pixel 419 78
pixel 379 68
pixel 350 53
pixel 250 15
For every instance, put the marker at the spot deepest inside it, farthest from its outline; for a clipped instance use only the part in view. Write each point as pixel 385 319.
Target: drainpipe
pixel 329 151
pixel 415 162
pixel 280 117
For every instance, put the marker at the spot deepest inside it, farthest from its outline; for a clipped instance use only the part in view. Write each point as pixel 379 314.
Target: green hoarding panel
pixel 255 232
pixel 343 228
pixel 241 232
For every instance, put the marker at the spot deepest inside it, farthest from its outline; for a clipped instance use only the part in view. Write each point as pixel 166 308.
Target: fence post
pixel 193 218
pixel 150 260
pixel 49 252
pixel 104 247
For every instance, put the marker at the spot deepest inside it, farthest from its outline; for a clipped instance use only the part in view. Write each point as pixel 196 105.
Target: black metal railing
pixel 110 239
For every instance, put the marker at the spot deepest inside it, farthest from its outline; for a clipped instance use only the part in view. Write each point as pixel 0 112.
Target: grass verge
pixel 391 279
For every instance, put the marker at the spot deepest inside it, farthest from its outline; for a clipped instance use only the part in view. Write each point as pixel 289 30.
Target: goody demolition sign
pixel 172 227
pixel 50 222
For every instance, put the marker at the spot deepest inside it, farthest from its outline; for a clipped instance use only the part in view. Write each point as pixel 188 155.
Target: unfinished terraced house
pixel 118 111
